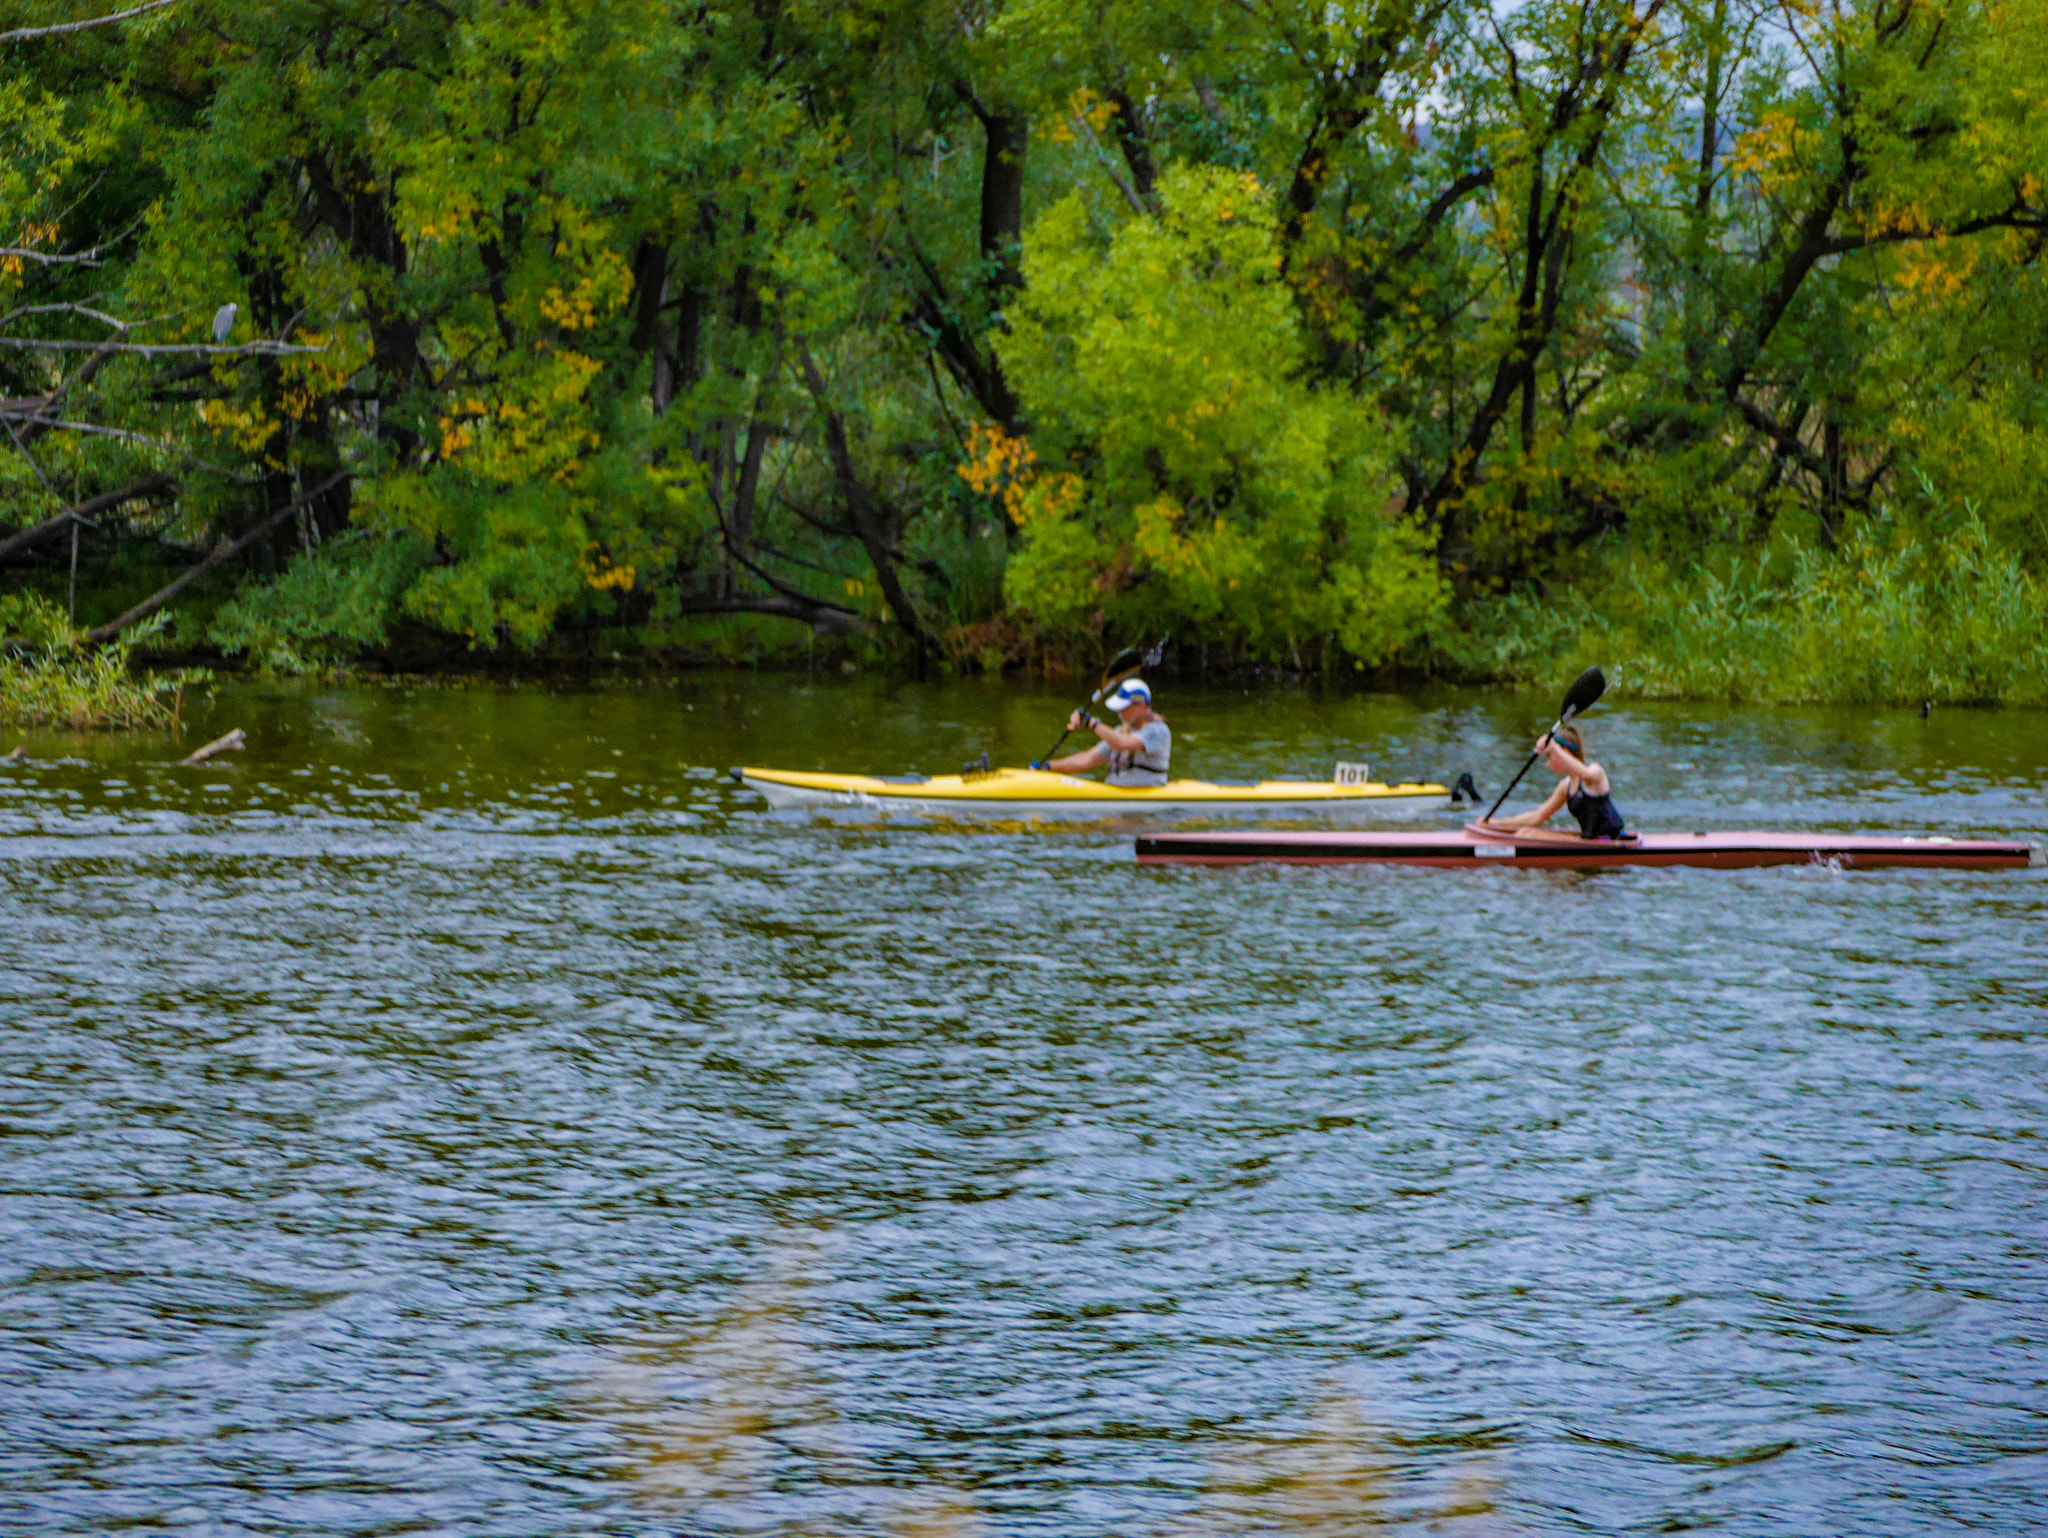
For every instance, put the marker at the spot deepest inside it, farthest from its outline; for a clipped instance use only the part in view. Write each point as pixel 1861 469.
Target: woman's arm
pixel 1592 776
pixel 1541 815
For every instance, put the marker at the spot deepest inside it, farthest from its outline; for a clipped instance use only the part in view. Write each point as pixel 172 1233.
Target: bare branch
pixel 820 617
pixel 93 429
pixel 860 507
pixel 148 486
pixel 1087 131
pixel 53 258
pixel 798 594
pixel 164 350
pixel 67 309
pixel 28 34
pixel 22 449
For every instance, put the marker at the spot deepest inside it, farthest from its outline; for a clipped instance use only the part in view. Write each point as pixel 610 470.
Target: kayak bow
pixel 1478 844
pixel 1036 792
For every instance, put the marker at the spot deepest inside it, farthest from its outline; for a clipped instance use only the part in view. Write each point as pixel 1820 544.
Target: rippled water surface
pixel 468 1111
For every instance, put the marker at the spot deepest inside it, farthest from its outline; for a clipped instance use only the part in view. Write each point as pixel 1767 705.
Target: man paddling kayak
pixel 1583 791
pixel 1138 754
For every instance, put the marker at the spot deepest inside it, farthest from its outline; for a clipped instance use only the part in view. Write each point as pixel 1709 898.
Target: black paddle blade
pixel 1579 698
pixel 1125 661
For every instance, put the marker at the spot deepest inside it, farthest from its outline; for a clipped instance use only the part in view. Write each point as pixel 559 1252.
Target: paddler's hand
pixel 1079 720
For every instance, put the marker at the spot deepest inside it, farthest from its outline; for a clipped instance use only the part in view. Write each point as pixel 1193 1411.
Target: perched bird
pixel 223 322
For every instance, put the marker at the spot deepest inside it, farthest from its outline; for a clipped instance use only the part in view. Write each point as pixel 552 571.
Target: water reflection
pixel 1342 1474
pixel 719 1419
pixel 708 1416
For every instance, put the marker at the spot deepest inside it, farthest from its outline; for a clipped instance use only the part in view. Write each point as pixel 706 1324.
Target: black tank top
pixel 1598 816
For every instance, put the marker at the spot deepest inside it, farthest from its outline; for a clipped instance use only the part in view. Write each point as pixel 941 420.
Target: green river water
pixel 468 1111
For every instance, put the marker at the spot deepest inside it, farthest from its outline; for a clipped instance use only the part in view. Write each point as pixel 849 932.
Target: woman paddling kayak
pixel 1584 791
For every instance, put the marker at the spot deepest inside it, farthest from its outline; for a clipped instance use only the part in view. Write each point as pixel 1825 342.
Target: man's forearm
pixel 1077 763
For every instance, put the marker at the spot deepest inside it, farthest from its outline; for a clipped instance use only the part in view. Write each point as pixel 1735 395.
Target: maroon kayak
pixel 1480 844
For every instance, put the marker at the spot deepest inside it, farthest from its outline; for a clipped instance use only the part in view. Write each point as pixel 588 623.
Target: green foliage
pixel 330 603
pixel 34 625
pixel 48 679
pixel 1894 616
pixel 1025 327
pixel 1190 477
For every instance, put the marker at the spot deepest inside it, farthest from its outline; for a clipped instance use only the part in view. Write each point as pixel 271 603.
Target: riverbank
pixel 1959 624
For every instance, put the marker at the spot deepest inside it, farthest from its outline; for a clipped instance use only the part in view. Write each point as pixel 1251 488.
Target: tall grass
pixel 48 679
pixel 1893 615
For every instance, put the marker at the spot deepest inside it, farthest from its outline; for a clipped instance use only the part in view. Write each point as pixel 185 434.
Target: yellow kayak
pixel 1039 793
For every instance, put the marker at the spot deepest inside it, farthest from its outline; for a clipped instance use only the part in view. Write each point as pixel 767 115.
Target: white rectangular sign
pixel 1352 774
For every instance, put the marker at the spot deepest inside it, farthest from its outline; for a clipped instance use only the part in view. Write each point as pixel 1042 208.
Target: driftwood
pixel 232 743
pixel 226 551
pixel 148 486
pixel 20 752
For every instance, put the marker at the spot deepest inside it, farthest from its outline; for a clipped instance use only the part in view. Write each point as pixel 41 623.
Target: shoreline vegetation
pixel 1955 623
pixel 1398 340
pixel 49 678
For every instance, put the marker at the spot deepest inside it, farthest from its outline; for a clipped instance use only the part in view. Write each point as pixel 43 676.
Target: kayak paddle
pixel 1579 698
pixel 1125 664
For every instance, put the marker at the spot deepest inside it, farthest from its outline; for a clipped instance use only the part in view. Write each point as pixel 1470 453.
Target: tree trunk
pixel 652 333
pixel 1134 141
pixel 860 510
pixel 1007 138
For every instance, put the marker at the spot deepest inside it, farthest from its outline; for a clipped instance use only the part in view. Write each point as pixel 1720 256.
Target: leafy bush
pixel 328 605
pixel 1184 473
pixel 48 679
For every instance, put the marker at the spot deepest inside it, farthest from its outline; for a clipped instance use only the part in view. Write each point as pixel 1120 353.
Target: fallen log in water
pixel 232 743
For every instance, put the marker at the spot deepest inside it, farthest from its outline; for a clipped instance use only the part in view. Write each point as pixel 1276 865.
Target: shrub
pixel 48 679
pixel 328 606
